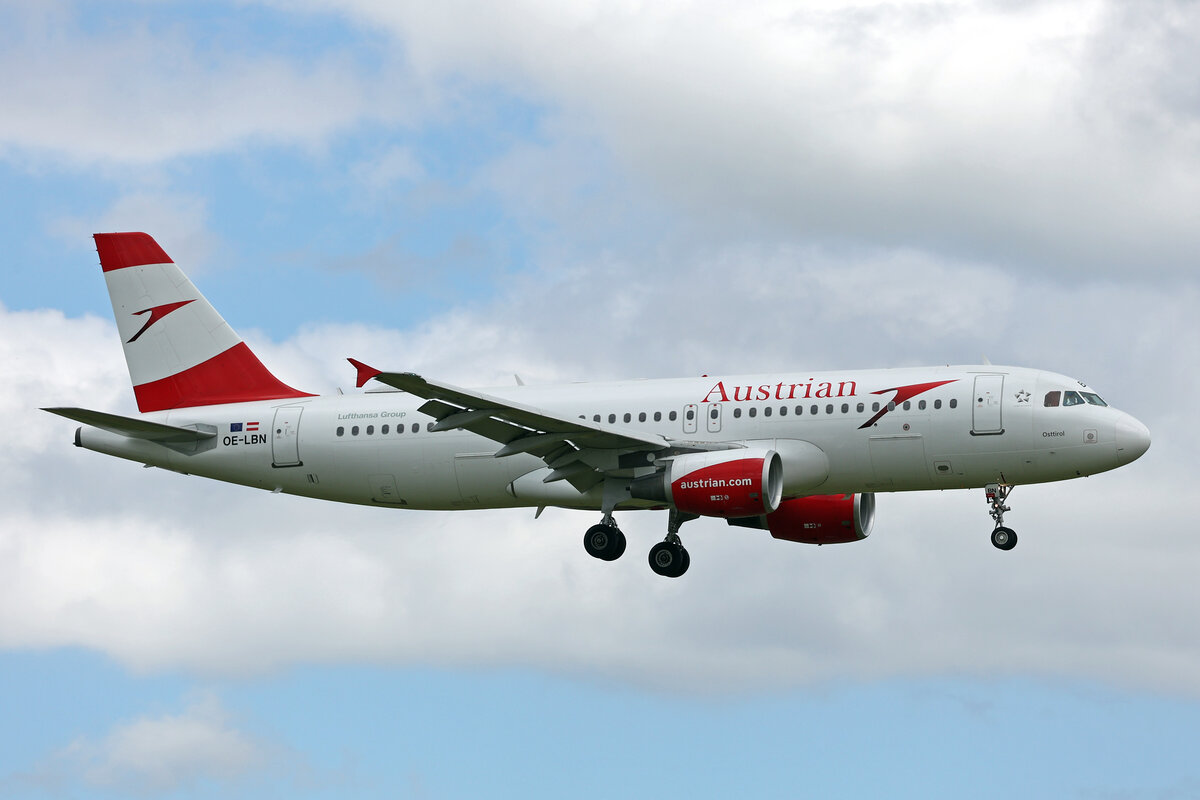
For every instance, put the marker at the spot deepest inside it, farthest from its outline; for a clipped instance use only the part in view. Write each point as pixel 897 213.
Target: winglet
pixel 365 373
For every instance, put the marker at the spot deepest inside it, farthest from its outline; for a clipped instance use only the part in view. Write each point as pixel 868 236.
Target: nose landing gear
pixel 1003 538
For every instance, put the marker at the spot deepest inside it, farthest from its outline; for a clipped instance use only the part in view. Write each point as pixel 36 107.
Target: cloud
pixel 162 571
pixel 173 217
pixel 139 95
pixel 163 754
pixel 709 189
pixel 1000 130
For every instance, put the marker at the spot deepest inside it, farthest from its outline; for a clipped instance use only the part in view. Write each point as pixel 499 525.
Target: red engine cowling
pixel 824 519
pixel 722 483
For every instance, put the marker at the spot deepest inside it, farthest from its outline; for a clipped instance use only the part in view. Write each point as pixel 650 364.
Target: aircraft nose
pixel 1133 439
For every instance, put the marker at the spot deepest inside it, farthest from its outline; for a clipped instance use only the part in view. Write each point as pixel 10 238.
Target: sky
pixel 591 191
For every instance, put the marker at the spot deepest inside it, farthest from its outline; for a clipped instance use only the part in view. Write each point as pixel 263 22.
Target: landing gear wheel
pixel 605 542
pixel 1004 538
pixel 669 559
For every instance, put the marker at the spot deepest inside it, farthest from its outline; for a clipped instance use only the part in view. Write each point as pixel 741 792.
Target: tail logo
pixel 156 313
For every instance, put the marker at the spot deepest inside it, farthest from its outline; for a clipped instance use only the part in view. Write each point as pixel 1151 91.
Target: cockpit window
pixel 1072 399
pixel 1093 398
pixel 1052 399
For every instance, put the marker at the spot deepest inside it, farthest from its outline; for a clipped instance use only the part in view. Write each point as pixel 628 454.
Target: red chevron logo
pixel 902 393
pixel 156 313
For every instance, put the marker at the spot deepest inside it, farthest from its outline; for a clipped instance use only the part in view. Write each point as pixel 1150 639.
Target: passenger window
pixel 595 418
pixel 753 412
pixel 921 405
pixel 767 411
pixel 892 406
pixel 612 418
pixel 859 408
pixel 712 414
pixel 341 431
pixel 845 408
pixel 642 416
pixel 908 405
pixel 813 409
pixel 628 417
pixel 874 406
pixel 691 414
pixel 658 416
pixel 1052 399
pixel 783 411
pixel 954 402
pixel 672 416
pixel 937 403
pixel 429 426
pixel 799 410
pixel 416 427
pixel 385 429
pixel 354 431
pixel 1072 399
pixel 829 408
pixel 737 413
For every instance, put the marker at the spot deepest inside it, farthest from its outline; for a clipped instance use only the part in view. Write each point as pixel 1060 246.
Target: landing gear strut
pixel 669 557
pixel 1002 537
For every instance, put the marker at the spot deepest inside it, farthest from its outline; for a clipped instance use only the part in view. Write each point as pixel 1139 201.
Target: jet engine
pixel 722 483
pixel 824 519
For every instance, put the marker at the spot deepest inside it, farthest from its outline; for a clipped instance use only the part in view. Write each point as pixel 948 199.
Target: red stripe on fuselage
pixel 120 250
pixel 235 376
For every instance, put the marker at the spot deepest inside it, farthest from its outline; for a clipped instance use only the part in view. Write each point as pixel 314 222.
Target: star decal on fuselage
pixel 1022 396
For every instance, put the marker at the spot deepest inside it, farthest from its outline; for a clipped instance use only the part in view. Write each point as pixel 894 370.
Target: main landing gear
pixel 604 541
pixel 1002 537
pixel 668 558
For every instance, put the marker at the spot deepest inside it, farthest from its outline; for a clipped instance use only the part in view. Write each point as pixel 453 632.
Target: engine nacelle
pixel 824 519
pixel 721 483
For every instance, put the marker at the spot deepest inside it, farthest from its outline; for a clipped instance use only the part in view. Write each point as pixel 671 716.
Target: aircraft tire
pixel 1004 538
pixel 669 560
pixel 605 542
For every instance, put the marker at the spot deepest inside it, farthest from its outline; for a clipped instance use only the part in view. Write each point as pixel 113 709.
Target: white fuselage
pixel 973 426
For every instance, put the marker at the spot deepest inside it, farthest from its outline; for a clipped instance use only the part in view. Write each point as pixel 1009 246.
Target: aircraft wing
pixel 575 449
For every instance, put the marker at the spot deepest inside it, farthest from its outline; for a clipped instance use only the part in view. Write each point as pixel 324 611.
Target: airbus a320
pixel 798 454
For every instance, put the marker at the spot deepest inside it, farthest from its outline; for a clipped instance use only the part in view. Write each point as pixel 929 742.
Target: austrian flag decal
pixel 238 427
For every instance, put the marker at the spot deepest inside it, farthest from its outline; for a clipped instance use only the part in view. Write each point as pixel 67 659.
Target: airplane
pixel 800 454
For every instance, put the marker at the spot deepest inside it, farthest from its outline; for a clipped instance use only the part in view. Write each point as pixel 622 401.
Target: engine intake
pixel 722 483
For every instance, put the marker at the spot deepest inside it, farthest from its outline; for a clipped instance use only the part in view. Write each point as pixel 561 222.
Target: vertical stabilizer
pixel 179 350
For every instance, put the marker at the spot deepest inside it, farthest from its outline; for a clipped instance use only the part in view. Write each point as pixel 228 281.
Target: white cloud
pixel 180 219
pixel 162 754
pixel 139 96
pixel 799 148
pixel 986 128
pixel 162 571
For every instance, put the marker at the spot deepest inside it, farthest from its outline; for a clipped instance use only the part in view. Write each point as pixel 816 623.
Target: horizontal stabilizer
pixel 136 428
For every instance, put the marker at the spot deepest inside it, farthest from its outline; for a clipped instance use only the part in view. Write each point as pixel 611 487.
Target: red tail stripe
pixel 120 250
pixel 235 376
